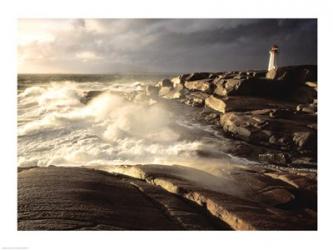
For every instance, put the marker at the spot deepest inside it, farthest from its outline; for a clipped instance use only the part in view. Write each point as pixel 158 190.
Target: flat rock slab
pixel 238 103
pixel 252 87
pixel 57 198
pixel 244 198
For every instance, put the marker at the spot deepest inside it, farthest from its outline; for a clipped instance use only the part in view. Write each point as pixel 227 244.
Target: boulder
pixel 165 83
pixel 89 95
pixel 225 86
pixel 246 126
pixel 234 125
pixel 175 91
pixel 211 117
pixel 176 80
pixel 215 104
pixel 261 129
pixel 183 77
pixel 239 103
pixel 177 85
pixel 305 139
pixel 196 99
pixel 312 85
pixel 197 76
pixel 307 108
pixel 241 75
pixel 171 93
pixel 205 85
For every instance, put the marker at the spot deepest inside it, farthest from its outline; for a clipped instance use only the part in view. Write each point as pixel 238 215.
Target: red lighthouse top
pixel 275 48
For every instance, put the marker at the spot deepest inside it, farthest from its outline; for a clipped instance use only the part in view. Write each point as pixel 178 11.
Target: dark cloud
pixel 177 45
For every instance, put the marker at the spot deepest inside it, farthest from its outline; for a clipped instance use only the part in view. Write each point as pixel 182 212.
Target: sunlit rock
pixel 205 85
pixel 237 103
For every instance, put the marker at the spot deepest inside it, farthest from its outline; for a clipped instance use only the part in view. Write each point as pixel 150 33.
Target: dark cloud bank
pixel 180 45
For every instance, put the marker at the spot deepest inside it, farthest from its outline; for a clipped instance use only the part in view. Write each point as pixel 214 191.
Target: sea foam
pixel 55 128
pixel 108 130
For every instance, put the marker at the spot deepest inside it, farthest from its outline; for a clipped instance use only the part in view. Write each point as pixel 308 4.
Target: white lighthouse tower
pixel 272 64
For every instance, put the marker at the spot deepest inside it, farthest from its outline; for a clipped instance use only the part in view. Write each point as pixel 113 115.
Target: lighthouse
pixel 272 64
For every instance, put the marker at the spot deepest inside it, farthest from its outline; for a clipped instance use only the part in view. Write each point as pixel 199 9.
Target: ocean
pixel 56 128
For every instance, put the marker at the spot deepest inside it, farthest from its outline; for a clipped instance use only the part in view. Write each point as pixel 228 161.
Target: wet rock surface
pixel 250 198
pixel 89 95
pixel 160 197
pixel 56 198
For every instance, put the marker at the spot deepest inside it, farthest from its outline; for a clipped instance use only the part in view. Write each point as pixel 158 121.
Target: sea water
pixel 56 128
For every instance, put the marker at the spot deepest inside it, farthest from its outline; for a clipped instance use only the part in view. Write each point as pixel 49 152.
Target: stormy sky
pixel 161 45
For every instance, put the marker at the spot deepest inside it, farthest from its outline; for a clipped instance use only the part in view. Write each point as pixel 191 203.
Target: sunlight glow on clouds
pixel 86 56
pixel 160 45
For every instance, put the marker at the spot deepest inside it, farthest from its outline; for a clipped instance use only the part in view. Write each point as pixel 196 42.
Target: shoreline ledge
pixel 158 197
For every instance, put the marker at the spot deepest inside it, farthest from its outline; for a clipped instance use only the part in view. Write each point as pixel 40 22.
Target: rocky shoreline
pixel 269 117
pixel 275 110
